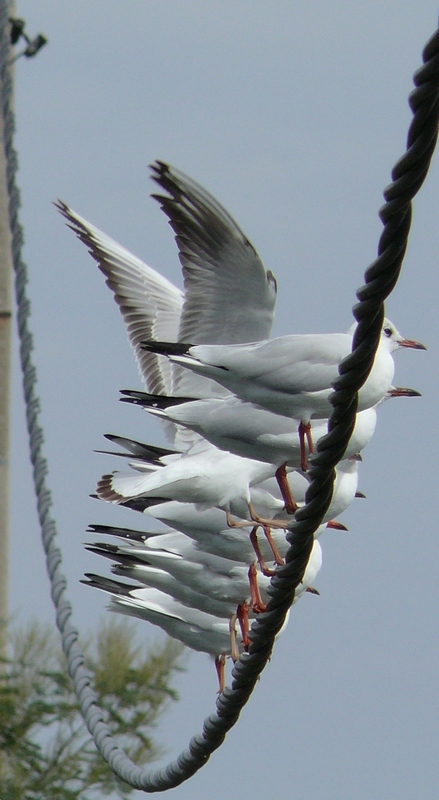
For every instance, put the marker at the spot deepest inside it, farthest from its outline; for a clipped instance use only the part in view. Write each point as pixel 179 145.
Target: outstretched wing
pixel 150 304
pixel 229 296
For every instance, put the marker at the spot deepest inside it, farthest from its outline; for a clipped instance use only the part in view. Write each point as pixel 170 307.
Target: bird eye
pixel 388 331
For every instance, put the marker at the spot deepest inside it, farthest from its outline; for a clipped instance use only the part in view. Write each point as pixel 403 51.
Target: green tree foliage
pixel 46 752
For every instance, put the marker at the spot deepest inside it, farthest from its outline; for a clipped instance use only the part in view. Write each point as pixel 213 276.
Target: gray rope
pixel 380 278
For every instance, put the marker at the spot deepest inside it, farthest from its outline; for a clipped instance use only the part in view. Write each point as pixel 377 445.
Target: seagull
pixel 222 275
pixel 185 480
pixel 208 478
pixel 223 580
pixel 205 526
pixel 195 573
pixel 208 548
pixel 290 375
pixel 216 478
pixel 344 490
pixel 230 544
pixel 250 431
pixel 131 566
pixel 211 477
pixel 187 517
pixel 148 457
pixel 198 630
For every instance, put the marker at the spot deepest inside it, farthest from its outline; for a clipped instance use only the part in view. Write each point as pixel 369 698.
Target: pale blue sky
pixel 292 114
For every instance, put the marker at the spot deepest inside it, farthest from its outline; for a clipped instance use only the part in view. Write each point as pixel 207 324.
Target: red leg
pixel 305 432
pixel 234 650
pixel 266 524
pixel 242 614
pixel 258 606
pixel 254 540
pixel 231 523
pixel 282 481
pixel 277 557
pixel 273 523
pixel 308 434
pixel 220 663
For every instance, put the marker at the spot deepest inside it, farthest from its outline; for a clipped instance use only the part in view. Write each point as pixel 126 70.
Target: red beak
pixel 411 343
pixel 401 391
pixel 312 590
pixel 337 526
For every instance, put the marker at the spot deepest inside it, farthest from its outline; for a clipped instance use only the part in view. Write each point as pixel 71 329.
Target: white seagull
pixel 220 579
pixel 196 573
pixel 234 550
pixel 250 431
pixel 222 275
pixel 128 565
pixel 196 629
pixel 209 478
pixel 291 375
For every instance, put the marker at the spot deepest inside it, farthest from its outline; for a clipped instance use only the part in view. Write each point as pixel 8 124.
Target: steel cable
pixel 380 279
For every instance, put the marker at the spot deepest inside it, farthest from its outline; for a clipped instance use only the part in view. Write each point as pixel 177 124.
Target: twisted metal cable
pixel 380 278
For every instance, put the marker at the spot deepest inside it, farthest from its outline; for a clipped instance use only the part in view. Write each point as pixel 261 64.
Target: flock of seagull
pixel 243 413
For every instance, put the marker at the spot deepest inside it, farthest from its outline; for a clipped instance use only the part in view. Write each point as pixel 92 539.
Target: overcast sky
pixel 292 115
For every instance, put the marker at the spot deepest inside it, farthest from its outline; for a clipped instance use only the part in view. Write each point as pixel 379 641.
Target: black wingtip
pixel 166 348
pixel 122 533
pixel 158 168
pixel 108 585
pixel 161 173
pixel 112 552
pixel 146 400
pixel 61 206
pixel 137 449
pixel 143 503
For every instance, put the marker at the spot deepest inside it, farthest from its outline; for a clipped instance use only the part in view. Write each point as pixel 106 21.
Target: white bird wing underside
pixel 149 303
pixel 229 296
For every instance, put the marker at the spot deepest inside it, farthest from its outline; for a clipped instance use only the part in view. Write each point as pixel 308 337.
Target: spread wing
pixel 229 295
pixel 149 303
pixel 223 274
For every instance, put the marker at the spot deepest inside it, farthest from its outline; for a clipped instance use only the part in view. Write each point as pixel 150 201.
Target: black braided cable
pixel 407 175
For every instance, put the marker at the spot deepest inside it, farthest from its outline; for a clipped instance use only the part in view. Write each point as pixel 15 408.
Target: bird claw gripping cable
pixel 380 278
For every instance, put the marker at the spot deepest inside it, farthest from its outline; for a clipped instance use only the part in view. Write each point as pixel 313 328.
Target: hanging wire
pixel 380 278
